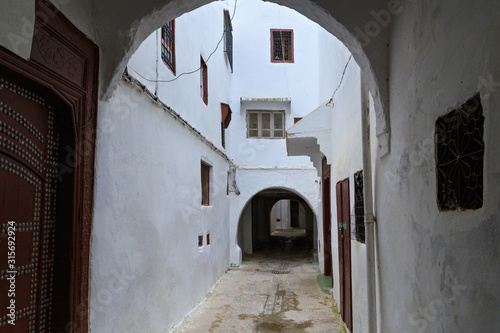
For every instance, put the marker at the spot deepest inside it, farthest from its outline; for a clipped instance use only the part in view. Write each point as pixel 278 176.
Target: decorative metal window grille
pixel 265 124
pixel 359 207
pixel 459 156
pixel 228 38
pixel 168 44
pixel 282 45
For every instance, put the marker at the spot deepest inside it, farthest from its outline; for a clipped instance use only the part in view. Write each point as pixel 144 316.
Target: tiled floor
pixel 273 291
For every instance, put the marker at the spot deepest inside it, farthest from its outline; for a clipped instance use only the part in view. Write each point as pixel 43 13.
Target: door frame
pixel 327 218
pixel 344 242
pixel 64 61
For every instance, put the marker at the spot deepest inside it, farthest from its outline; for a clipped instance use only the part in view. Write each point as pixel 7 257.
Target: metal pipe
pixel 368 206
pixel 157 67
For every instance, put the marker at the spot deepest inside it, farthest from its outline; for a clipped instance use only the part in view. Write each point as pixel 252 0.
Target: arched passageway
pixel 277 222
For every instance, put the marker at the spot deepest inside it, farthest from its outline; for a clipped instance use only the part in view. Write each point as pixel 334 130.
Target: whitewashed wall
pixel 307 82
pixel 183 94
pixel 346 157
pixel 148 215
pixel 442 267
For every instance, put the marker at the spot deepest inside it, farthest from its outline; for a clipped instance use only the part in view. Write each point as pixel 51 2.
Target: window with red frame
pixel 168 45
pixel 281 45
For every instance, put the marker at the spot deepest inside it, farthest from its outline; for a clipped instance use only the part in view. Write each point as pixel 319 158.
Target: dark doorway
pixel 294 214
pixel 268 231
pixel 344 236
pixel 327 220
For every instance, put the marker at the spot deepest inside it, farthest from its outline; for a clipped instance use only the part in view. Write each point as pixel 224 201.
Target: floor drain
pixel 280 272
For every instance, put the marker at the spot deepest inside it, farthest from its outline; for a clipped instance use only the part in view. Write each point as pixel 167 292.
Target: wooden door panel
pixel 74 83
pixel 28 147
pixel 340 236
pixel 344 234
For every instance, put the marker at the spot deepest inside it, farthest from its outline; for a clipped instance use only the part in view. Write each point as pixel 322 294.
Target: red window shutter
pixel 225 114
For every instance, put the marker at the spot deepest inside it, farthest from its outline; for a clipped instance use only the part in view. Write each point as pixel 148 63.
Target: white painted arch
pixel 245 226
pixel 301 181
pixel 122 25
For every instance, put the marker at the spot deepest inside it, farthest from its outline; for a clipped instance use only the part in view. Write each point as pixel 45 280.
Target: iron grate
pixel 277 271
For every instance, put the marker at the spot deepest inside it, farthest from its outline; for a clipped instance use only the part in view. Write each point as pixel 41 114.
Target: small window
pixel 228 38
pixel 459 157
pixel 203 81
pixel 208 238
pixel 168 45
pixel 200 240
pixel 281 45
pixel 359 206
pixel 205 184
pixel 266 124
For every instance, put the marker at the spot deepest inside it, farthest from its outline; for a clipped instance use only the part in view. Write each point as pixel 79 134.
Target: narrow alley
pixel 274 290
pixel 238 166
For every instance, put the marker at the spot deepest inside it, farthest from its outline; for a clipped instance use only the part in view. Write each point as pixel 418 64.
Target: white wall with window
pixel 261 85
pixel 191 200
pixel 194 44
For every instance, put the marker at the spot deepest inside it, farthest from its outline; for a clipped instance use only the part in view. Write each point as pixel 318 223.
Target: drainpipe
pixel 157 56
pixel 368 205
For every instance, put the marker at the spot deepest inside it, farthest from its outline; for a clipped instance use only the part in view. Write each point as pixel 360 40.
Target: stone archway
pixel 244 229
pixel 363 29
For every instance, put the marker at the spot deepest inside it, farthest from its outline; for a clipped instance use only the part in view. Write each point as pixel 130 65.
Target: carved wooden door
pixel 28 176
pixel 344 238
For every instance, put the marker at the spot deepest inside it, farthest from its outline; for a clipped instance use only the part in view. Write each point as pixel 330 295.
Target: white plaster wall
pixel 344 153
pixel 147 271
pixel 307 82
pixel 441 267
pixel 245 233
pixel 80 13
pixel 191 42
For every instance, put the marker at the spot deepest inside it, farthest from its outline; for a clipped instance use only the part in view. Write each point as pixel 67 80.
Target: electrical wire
pixel 330 102
pixel 196 70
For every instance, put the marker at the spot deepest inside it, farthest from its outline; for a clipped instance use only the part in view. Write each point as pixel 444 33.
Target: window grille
pixel 359 207
pixel 282 45
pixel 203 81
pixel 228 38
pixel 459 157
pixel 265 124
pixel 223 134
pixel 168 45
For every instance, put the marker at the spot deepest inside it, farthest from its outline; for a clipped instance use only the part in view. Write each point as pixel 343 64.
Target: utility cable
pixel 330 102
pixel 196 70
